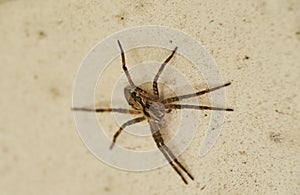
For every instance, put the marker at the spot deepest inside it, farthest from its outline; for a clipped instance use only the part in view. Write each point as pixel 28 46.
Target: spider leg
pixel 172 164
pixel 167 152
pixel 155 89
pixel 196 107
pixel 176 160
pixel 124 66
pixel 119 110
pixel 175 98
pixel 128 123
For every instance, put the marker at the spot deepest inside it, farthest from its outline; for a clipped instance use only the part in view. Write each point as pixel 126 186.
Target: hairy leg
pixel 172 164
pixel 196 107
pixel 155 89
pixel 176 161
pixel 175 98
pixel 124 66
pixel 128 123
pixel 119 110
pixel 167 152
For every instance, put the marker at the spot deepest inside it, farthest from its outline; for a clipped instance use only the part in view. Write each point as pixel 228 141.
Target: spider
pixel 153 109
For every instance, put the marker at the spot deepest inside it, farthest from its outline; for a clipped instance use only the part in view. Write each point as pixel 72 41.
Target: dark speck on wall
pixel 59 22
pixel 42 34
pixel 106 189
pixel 275 137
pixel 246 57
pixel 298 35
pixel 121 17
pixel 54 92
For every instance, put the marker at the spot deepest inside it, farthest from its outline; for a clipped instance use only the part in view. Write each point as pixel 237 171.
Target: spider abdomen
pixel 157 111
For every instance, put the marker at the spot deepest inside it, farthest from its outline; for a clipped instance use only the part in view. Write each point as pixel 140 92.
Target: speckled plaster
pixel 256 45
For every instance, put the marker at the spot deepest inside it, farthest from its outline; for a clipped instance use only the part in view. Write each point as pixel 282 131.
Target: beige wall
pixel 42 44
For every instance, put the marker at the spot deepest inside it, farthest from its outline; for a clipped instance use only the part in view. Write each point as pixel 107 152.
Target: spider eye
pixel 136 97
pixel 133 94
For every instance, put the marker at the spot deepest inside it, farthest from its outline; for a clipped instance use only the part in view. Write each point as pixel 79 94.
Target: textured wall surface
pixel 256 45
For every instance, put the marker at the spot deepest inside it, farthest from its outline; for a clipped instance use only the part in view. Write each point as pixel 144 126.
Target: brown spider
pixel 154 109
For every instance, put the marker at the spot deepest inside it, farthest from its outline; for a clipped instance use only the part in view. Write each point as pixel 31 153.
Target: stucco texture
pixel 256 45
